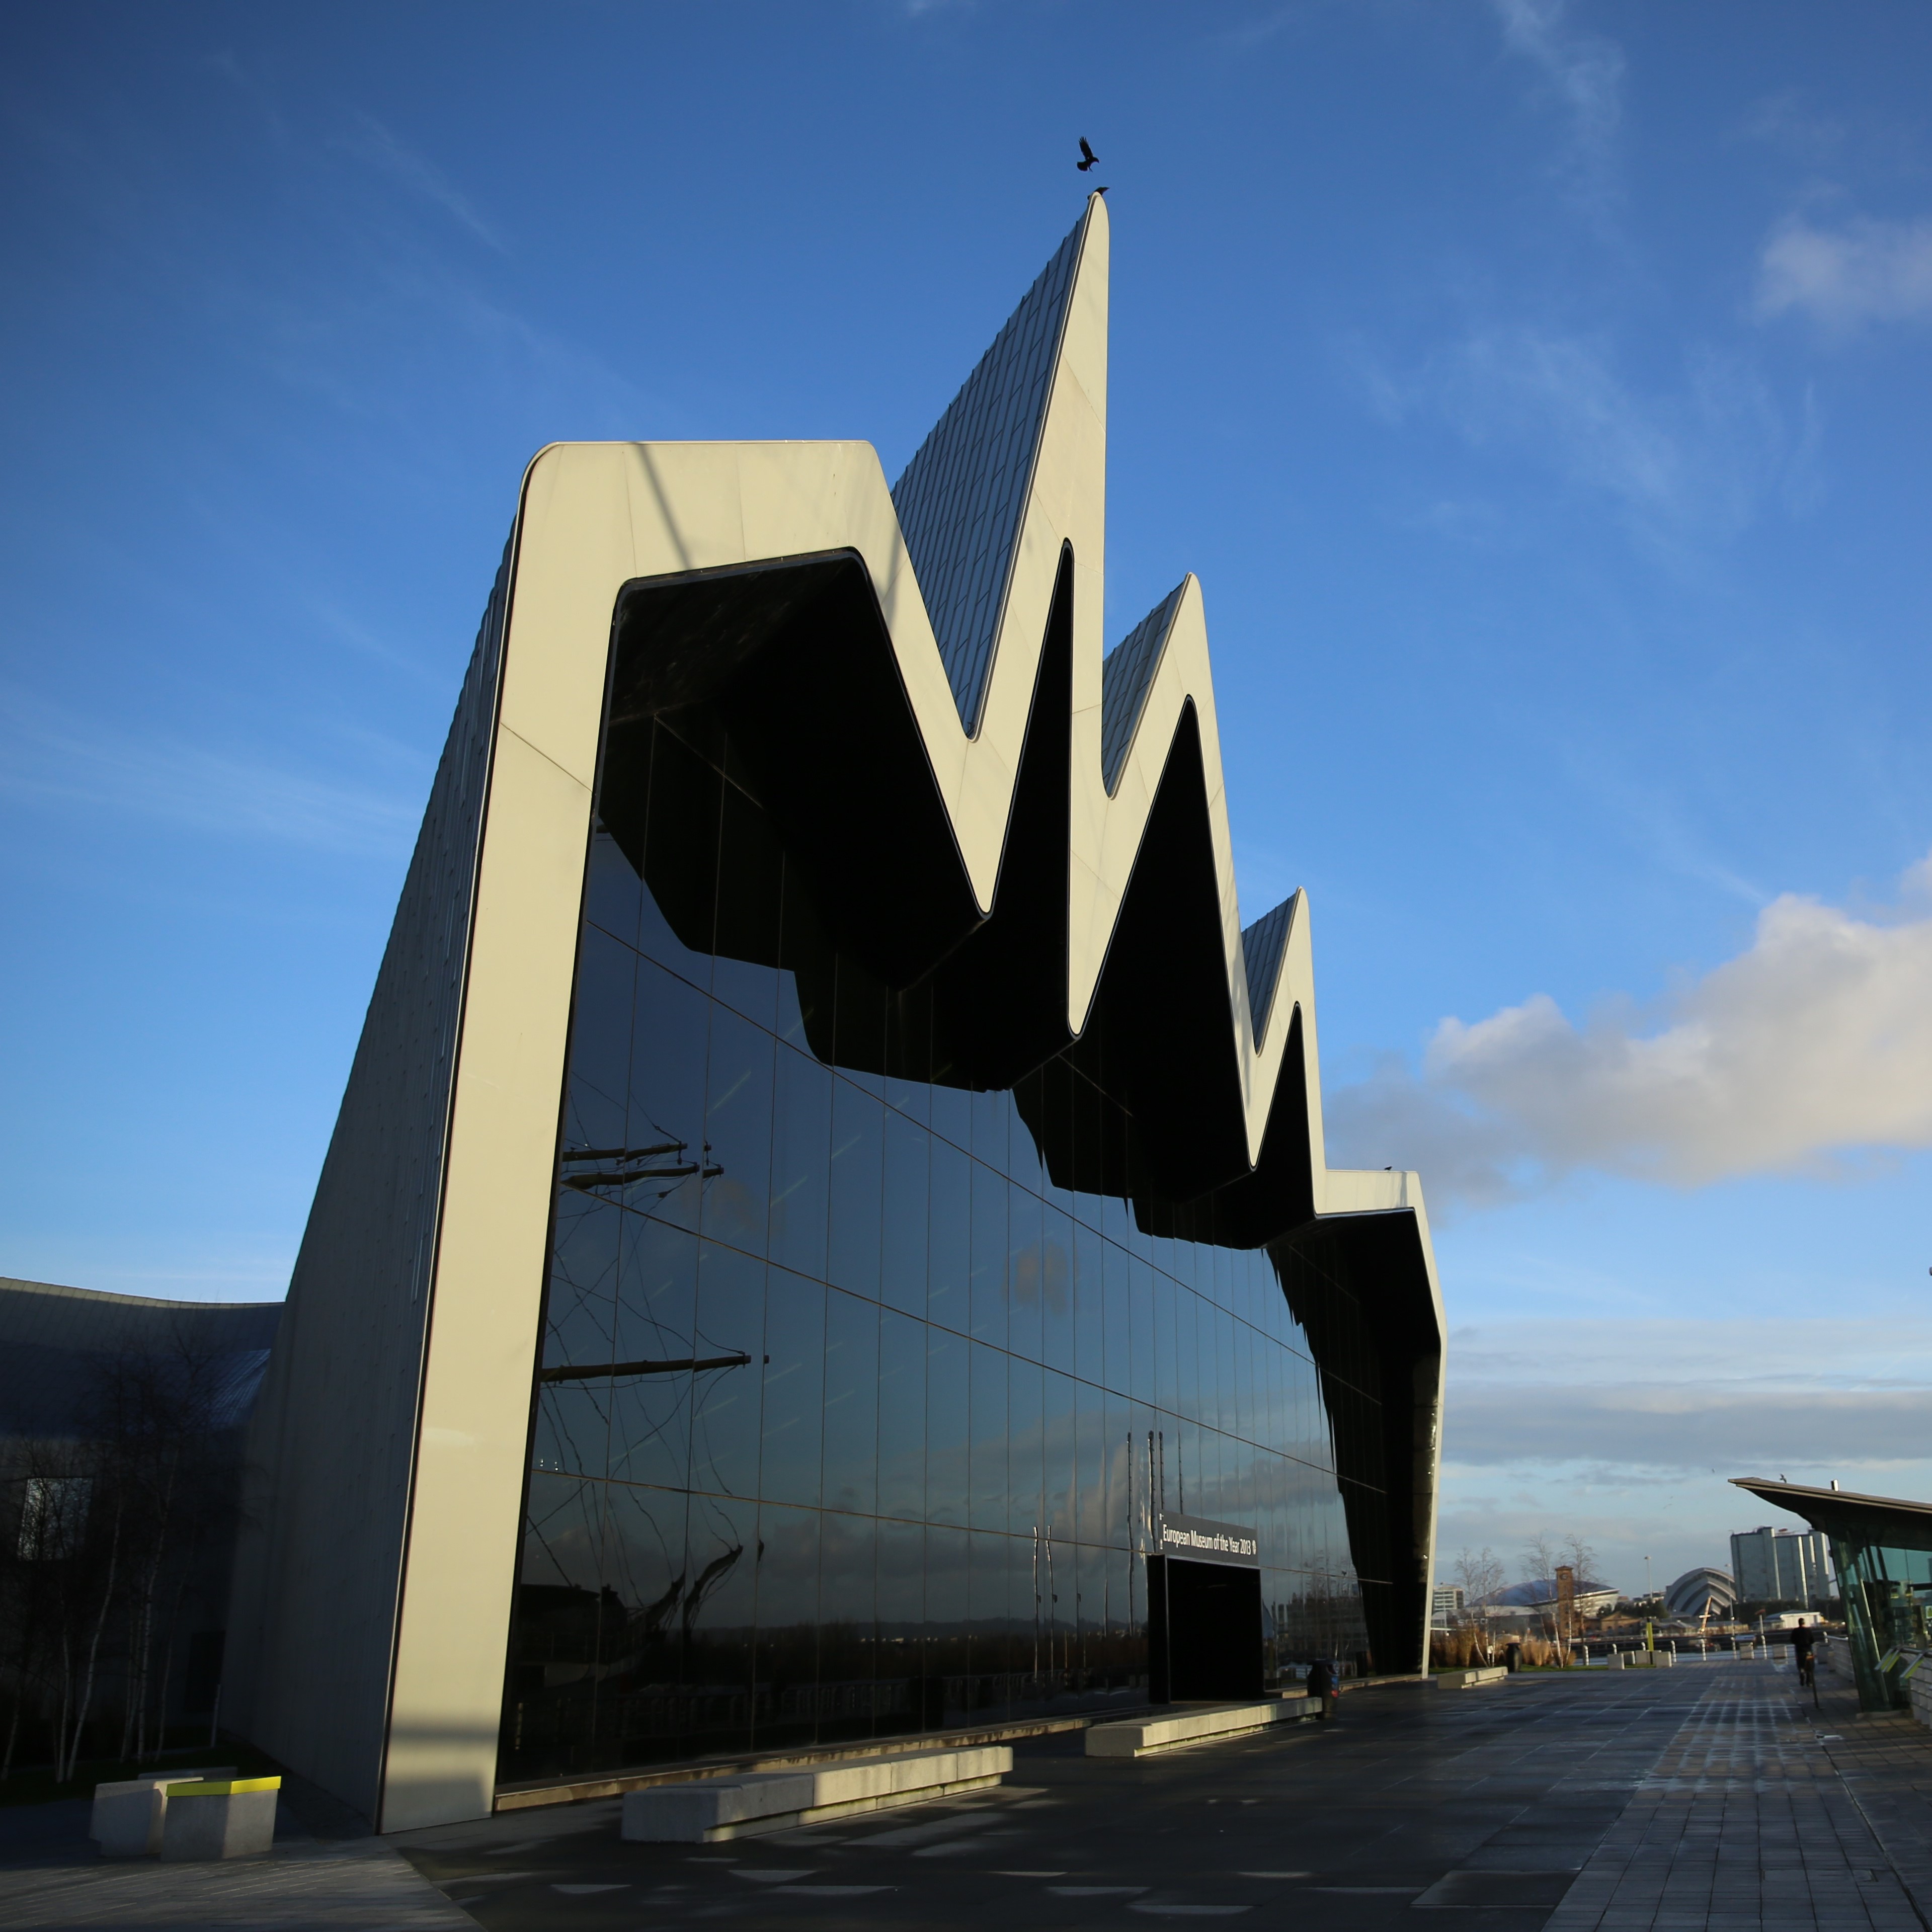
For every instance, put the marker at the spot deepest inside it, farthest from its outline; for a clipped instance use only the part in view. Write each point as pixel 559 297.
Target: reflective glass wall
pixel 849 1421
pixel 1887 1591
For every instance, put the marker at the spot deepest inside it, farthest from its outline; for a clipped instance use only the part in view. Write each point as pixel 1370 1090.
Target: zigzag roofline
pixel 601 521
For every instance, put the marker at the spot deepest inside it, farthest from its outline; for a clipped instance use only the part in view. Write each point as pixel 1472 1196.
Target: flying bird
pixel 1087 157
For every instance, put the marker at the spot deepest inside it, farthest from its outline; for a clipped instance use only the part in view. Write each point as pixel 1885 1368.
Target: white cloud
pixel 1813 1045
pixel 1863 271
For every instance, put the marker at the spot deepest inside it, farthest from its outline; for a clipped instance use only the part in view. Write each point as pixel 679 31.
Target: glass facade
pixel 850 1418
pixel 1887 1591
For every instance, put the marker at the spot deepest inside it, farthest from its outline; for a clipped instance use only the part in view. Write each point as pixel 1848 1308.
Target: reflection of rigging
pixel 708 1579
pixel 597 1371
pixel 627 1166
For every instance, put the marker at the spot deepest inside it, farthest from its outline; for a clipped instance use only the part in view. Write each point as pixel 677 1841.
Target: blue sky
pixel 1541 393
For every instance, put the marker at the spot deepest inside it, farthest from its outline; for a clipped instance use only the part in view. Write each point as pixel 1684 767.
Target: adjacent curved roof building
pixel 114 1407
pixel 1542 1593
pixel 57 1344
pixel 829 1191
pixel 1699 1591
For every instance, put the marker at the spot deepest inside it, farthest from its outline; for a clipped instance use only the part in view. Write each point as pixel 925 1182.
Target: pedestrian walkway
pixel 1752 1815
pixel 51 1876
pixel 1710 1796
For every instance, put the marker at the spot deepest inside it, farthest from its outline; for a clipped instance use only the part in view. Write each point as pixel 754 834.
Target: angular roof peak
pixel 961 499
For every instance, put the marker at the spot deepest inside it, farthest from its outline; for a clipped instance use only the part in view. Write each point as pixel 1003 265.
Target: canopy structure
pixel 1882 1548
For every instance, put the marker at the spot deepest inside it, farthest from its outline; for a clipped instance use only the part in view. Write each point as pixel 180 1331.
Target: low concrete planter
pixel 711 1810
pixel 127 1815
pixel 1141 1737
pixel 1469 1680
pixel 226 1818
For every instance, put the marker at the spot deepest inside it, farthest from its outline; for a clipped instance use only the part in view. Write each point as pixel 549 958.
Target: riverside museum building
pixel 827 1237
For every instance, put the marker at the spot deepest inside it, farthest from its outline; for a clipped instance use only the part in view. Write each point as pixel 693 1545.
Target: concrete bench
pixel 220 1818
pixel 1467 1680
pixel 1644 1660
pixel 1141 1737
pixel 716 1808
pixel 127 1815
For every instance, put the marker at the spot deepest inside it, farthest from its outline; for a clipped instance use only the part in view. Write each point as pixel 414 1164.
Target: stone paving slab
pixel 1704 1799
pixel 1763 1811
pixel 1412 1801
pixel 56 1879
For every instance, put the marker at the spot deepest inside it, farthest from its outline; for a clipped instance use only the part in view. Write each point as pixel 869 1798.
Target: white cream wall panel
pixel 331 1447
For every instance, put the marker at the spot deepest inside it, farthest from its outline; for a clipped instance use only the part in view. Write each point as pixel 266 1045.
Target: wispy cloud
pixel 1762 1354
pixel 1583 73
pixel 51 757
pixel 1784 121
pixel 1691 1394
pixel 1246 35
pixel 369 140
pixel 1843 278
pixel 230 66
pixel 1657 825
pixel 1695 460
pixel 1809 1052
pixel 1662 1427
pixel 151 1266
pixel 1625 1431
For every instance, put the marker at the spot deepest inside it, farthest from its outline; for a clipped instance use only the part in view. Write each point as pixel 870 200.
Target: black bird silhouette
pixel 1087 157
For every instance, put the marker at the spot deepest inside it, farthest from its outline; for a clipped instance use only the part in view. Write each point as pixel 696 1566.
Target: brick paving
pixel 1767 1810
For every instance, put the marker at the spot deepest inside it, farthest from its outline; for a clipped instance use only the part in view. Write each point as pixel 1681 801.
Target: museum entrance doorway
pixel 1204 1613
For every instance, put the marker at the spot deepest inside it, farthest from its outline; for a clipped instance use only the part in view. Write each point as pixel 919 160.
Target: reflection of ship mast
pixel 629 1165
pixel 597 1371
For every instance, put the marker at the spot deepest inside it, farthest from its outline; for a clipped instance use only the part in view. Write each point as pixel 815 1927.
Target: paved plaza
pixel 1709 1795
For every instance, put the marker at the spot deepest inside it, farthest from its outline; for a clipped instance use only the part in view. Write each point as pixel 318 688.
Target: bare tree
pixel 106 1551
pixel 157 1415
pixel 1480 1577
pixel 1540 1562
pixel 43 1575
pixel 1581 1558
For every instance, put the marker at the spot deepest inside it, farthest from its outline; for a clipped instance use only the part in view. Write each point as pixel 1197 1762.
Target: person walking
pixel 1325 1684
pixel 1803 1640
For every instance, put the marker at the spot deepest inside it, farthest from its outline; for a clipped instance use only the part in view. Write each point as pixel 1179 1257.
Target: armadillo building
pixel 827 1236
